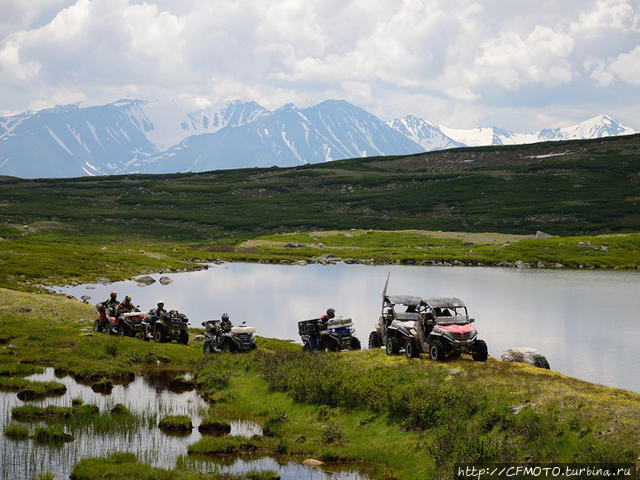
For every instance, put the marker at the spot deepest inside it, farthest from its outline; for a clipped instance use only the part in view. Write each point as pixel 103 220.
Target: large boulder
pixel 145 280
pixel 527 355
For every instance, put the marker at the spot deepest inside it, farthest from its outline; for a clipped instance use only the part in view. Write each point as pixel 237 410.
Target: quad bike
pixel 171 326
pixel 336 335
pixel 233 340
pixel 440 327
pixel 131 324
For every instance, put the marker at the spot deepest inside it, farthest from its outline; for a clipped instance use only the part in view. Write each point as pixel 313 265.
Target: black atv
pixel 170 326
pixel 233 340
pixel 336 335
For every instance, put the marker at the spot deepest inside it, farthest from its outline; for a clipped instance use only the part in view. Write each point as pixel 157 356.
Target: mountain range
pixel 137 136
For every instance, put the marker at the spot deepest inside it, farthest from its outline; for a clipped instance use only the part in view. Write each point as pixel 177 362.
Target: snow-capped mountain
pixel 172 123
pixel 288 136
pixel 71 141
pixel 596 127
pixel 131 136
pixel 427 135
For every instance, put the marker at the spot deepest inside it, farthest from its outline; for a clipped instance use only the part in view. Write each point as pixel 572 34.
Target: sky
pixel 520 65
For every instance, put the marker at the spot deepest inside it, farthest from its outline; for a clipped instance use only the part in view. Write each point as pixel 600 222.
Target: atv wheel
pixel 229 347
pixel 206 348
pixel 355 344
pixel 159 336
pixel 479 351
pixel 410 349
pixel 374 341
pixel 184 337
pixel 142 335
pixel 97 326
pixel 306 347
pixel 436 350
pixel 392 347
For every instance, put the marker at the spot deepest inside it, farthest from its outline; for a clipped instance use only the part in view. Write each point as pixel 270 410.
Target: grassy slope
pixel 351 406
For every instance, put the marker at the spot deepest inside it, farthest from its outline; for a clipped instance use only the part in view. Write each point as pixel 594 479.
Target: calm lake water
pixel 586 322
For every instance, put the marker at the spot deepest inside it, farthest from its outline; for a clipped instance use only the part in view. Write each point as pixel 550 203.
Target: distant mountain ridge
pixel 136 136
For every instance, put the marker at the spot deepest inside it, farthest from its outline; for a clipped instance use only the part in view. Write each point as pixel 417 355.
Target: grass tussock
pixel 176 424
pixel 16 431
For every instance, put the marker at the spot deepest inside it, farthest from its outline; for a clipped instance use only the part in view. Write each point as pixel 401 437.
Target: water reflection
pixel 146 395
pixel 585 322
pixel 287 470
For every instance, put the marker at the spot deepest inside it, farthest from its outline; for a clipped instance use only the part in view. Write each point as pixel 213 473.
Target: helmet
pixel 113 294
pixel 160 304
pixel 127 298
pixel 331 313
pixel 225 316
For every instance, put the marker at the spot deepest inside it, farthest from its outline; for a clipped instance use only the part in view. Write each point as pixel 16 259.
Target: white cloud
pixel 540 57
pixel 624 67
pixel 391 57
pixel 608 15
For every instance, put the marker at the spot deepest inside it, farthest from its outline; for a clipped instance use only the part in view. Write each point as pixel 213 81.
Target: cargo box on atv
pixel 309 327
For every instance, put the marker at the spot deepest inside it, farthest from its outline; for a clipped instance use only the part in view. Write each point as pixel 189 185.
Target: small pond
pixel 585 321
pixel 145 395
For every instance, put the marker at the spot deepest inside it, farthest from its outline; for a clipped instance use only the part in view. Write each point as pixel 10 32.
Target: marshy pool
pixel 148 397
pixel 586 322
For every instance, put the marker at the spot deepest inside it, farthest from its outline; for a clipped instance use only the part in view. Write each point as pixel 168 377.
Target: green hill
pixel 576 187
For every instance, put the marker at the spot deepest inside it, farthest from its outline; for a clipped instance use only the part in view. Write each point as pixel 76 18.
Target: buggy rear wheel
pixel 480 351
pixel 374 341
pixel 392 347
pixel 410 349
pixel 436 350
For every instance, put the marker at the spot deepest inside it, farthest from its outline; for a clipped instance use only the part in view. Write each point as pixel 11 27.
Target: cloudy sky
pixel 521 64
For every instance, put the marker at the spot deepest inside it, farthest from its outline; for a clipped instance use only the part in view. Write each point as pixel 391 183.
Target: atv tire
pixel 355 344
pixel 436 350
pixel 159 336
pixel 97 326
pixel 184 337
pixel 480 351
pixel 206 348
pixel 229 347
pixel 374 341
pixel 411 349
pixel 306 347
pixel 392 347
pixel 142 335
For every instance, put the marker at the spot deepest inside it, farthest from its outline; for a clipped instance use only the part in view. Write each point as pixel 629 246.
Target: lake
pixel 585 322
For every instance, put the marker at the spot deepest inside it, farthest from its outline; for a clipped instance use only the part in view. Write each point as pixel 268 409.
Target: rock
pixel 521 264
pixel 25 309
pixel 558 265
pixel 516 409
pixel 458 263
pixel 88 334
pixel 293 245
pixel 103 386
pixel 90 287
pixel 540 234
pixel 165 280
pixel 504 263
pixel 85 298
pixel 198 338
pixel 102 280
pixel 527 355
pixel 300 262
pixel 312 462
pixel 144 281
pixel 467 244
pixel 605 249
